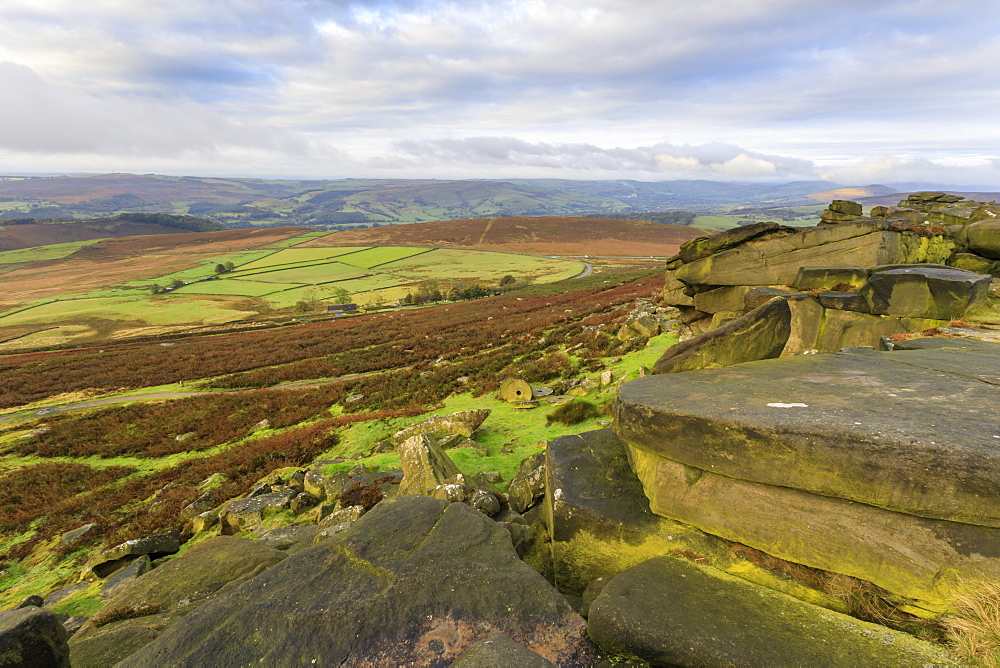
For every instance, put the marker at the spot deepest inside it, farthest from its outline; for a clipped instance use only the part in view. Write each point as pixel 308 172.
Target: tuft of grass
pixel 121 612
pixel 973 627
pixel 574 412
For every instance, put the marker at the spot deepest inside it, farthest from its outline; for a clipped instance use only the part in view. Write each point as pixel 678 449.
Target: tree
pixel 156 288
pixel 220 268
pixel 341 296
pixel 230 266
pixel 507 281
pixel 175 283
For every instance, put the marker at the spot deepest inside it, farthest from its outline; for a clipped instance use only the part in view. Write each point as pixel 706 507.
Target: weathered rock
pixel 669 611
pixel 177 587
pixel 598 519
pixel 414 581
pixel 704 246
pixel 32 637
pixel 117 580
pixel 864 242
pixel 463 423
pixel 204 521
pixel 334 484
pixel 874 430
pixel 528 486
pixel 33 601
pixel 920 292
pixel 499 650
pixel 314 483
pixel 983 238
pixel 758 296
pixel 844 301
pixel 514 389
pixel 425 465
pixel 905 450
pixel 975 263
pixel 485 502
pixel 76 536
pixel 107 561
pixel 203 503
pixel 302 501
pixel 283 538
pixel 827 278
pixel 760 334
pixel 845 329
pixel 241 514
pixel 729 298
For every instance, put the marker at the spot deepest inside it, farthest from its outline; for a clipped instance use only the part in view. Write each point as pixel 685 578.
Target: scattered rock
pixel 499 650
pixel 463 423
pixel 34 600
pixel 76 536
pixel 527 487
pixel 241 514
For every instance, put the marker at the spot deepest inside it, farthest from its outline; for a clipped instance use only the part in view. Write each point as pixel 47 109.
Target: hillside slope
pixel 550 235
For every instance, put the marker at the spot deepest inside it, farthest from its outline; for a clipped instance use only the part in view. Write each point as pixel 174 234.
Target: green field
pixel 43 253
pixel 233 287
pixel 381 255
pixel 485 266
pixel 312 273
pixel 264 280
pixel 153 310
pixel 299 255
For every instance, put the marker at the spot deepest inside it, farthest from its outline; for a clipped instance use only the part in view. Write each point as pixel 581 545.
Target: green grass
pixel 447 264
pixel 225 286
pixel 372 257
pixel 43 253
pixel 299 255
pixel 312 273
pixel 154 310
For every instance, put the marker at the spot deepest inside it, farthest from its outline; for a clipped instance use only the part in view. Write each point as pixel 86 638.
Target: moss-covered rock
pixel 760 334
pixel 884 429
pixel 172 590
pixel 31 636
pixel 416 580
pixel 925 292
pixel 670 612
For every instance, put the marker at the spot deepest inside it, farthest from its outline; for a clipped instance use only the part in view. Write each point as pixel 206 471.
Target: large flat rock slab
pixel 913 431
pixel 416 581
pixel 670 612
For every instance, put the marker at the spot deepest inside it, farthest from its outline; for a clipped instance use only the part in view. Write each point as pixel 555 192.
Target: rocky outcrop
pixel 670 612
pixel 425 465
pixel 416 580
pixel 106 562
pixel 859 463
pixel 832 264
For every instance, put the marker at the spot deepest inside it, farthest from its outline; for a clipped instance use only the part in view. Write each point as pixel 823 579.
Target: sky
pixel 852 91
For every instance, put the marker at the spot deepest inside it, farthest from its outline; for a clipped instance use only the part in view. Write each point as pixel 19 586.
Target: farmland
pixel 118 287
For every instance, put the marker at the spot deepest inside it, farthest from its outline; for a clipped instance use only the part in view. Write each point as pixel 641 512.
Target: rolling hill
pixel 549 235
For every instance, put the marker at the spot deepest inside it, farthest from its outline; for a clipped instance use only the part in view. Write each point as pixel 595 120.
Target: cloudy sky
pixel 856 91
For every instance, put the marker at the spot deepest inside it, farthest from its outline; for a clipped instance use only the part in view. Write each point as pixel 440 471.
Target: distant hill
pixel 893 199
pixel 30 233
pixel 547 235
pixel 350 203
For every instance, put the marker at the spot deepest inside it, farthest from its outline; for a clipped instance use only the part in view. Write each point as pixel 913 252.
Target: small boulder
pixel 126 575
pixel 425 465
pixel 106 562
pixel 76 536
pixel 241 514
pixel 527 488
pixel 32 637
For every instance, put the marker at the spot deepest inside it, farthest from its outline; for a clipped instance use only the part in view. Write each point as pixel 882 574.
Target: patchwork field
pixel 119 287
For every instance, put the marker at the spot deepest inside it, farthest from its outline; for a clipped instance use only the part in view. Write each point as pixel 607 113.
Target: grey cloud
pixel 706 160
pixel 46 118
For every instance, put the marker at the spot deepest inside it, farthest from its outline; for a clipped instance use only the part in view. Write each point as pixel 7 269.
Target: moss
pixel 82 603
